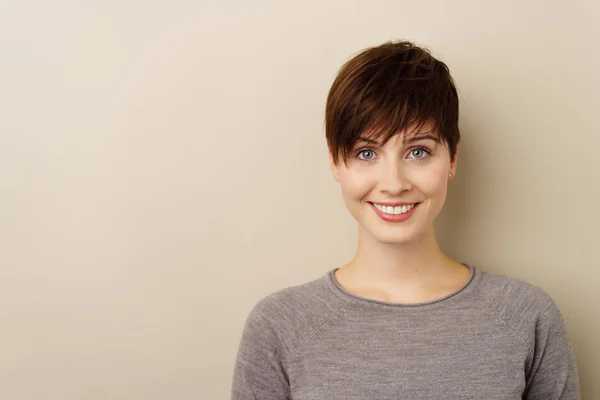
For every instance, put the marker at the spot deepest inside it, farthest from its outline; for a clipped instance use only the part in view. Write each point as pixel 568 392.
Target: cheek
pixel 432 181
pixel 355 184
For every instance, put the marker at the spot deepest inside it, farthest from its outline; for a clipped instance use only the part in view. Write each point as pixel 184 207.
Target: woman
pixel 402 320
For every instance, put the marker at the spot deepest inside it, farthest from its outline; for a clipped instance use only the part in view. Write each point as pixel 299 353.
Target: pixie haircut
pixel 387 89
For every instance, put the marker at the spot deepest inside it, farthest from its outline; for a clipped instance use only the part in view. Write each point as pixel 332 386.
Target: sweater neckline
pixel 353 298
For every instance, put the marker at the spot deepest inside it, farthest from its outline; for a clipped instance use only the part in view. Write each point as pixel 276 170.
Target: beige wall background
pixel 163 166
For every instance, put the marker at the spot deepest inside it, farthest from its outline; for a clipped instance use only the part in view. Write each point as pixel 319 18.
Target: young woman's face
pixel 415 172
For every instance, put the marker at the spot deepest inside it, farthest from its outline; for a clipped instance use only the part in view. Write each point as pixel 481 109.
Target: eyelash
pixel 426 150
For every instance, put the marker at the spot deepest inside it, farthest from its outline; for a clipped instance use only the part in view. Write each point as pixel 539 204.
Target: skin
pixel 398 262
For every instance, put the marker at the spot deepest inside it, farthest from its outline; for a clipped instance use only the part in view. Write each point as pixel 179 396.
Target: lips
pixel 394 217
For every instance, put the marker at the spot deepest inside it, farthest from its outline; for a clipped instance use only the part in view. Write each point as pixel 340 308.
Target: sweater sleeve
pixel 259 372
pixel 553 372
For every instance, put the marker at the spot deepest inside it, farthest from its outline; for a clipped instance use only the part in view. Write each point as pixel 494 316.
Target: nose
pixel 394 179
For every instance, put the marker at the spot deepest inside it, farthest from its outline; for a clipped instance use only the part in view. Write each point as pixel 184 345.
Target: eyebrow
pixel 409 140
pixel 423 137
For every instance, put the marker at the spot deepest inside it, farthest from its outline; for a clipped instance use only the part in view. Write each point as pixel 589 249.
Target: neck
pixel 410 264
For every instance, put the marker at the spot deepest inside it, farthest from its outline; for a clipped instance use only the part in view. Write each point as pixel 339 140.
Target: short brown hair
pixel 387 89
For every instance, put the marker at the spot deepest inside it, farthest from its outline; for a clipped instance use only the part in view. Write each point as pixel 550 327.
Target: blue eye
pixel 418 153
pixel 420 150
pixel 368 155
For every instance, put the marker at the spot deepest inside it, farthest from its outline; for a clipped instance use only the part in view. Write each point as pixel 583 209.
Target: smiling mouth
pixel 397 210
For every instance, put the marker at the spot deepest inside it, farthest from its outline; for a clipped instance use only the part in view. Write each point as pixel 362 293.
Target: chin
pixel 399 233
pixel 393 236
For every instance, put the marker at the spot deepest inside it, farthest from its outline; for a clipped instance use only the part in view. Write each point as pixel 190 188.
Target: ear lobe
pixel 453 162
pixel 334 170
pixel 336 175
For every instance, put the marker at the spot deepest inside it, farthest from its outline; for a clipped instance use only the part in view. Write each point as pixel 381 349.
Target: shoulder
pixel 523 306
pixel 532 314
pixel 513 293
pixel 292 313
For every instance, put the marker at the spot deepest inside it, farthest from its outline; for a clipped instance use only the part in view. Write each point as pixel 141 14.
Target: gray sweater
pixel 495 338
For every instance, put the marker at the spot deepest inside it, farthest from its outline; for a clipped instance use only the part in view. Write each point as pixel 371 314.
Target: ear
pixel 453 163
pixel 334 169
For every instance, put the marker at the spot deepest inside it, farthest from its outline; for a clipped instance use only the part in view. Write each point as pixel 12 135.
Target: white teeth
pixel 394 210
